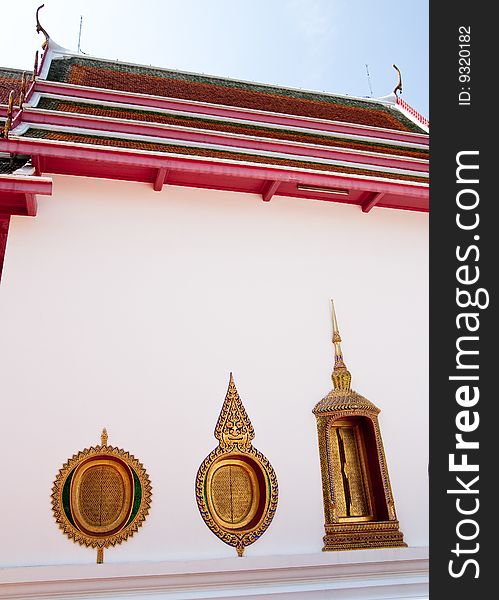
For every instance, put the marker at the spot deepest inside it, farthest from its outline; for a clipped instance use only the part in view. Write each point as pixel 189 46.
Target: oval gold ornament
pixel 236 486
pixel 101 496
pixel 233 492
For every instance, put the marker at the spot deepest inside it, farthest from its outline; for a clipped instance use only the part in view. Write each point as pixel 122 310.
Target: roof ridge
pixel 65 55
pixel 13 70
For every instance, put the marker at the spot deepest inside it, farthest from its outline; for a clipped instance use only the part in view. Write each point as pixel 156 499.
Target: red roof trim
pixel 174 104
pixel 135 165
pixel 237 141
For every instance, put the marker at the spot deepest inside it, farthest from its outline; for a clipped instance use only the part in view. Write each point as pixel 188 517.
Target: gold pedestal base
pixel 358 536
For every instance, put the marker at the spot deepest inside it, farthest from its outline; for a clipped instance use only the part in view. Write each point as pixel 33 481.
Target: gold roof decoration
pixel 236 486
pixel 41 29
pixel 341 375
pixel 342 396
pixel 359 507
pixel 101 496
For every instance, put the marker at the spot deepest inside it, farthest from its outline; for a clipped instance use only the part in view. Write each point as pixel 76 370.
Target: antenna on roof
pixel 79 35
pixel 369 80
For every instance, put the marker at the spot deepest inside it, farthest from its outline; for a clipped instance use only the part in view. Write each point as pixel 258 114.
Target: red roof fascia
pixel 417 115
pixel 144 101
pixel 18 194
pixel 113 163
pixel 169 132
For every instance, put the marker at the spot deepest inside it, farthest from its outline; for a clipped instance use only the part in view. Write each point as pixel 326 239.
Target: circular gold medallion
pixel 101 496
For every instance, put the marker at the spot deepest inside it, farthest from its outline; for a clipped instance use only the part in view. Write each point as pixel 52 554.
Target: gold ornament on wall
pixel 101 496
pixel 358 502
pixel 236 486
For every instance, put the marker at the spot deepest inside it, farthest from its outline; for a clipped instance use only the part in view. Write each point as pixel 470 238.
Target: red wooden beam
pixel 161 175
pixel 269 189
pixel 37 162
pixel 26 184
pixel 31 205
pixel 371 200
pixel 4 231
pixel 124 162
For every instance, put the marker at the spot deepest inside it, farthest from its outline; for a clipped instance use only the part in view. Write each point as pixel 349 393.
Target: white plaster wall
pixel 126 308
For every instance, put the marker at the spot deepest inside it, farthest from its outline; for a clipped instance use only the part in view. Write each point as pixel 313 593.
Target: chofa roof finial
pixel 40 28
pixel 398 87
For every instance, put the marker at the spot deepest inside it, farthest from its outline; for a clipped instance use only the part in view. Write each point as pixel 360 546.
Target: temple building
pixel 164 235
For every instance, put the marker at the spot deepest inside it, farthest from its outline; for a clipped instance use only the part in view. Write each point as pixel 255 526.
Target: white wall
pixel 126 308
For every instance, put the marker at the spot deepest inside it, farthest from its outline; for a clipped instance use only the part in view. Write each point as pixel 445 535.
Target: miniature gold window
pixel 348 460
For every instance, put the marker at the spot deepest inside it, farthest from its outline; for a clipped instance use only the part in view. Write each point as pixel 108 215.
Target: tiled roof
pixel 174 149
pixel 10 79
pixel 9 165
pixel 213 125
pixel 175 84
pixel 150 124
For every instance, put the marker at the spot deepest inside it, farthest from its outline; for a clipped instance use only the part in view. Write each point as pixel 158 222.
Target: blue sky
pixel 313 44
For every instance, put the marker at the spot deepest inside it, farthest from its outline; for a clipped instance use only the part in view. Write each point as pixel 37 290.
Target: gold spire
pixel 103 437
pixel 341 376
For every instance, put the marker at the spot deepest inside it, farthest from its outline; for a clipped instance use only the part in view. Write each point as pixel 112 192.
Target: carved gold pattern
pixel 93 496
pixel 236 486
pixel 8 120
pixel 22 94
pixel 344 419
pixel 349 472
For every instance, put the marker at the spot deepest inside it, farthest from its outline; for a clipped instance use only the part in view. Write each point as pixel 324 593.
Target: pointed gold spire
pixel 341 376
pixel 233 425
pixel 103 437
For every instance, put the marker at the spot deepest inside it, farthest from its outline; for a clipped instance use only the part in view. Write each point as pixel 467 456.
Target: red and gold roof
pixel 94 117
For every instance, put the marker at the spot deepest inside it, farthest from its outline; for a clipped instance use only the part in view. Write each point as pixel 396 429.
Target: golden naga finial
pixel 398 87
pixel 8 121
pixel 103 437
pixel 22 95
pixel 341 376
pixel 35 67
pixel 40 28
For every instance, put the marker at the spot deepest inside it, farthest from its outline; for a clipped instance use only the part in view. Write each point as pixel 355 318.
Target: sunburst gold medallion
pixel 101 496
pixel 236 487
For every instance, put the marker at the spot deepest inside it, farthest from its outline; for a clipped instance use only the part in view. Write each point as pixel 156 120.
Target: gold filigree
pixel 10 111
pixel 234 429
pixel 101 496
pixel 358 501
pixel 236 486
pixel 22 94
